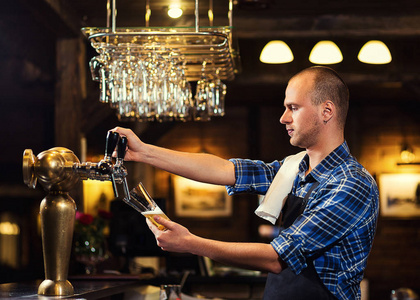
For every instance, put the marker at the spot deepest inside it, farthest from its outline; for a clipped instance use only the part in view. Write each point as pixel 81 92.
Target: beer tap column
pixel 58 170
pixel 53 170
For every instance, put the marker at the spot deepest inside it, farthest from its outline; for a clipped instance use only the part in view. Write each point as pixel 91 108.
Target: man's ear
pixel 328 110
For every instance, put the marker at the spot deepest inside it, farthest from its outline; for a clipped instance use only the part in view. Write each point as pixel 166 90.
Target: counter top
pixel 91 287
pixel 83 289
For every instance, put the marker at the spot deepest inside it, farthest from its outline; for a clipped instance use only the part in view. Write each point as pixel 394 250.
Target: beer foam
pixel 156 211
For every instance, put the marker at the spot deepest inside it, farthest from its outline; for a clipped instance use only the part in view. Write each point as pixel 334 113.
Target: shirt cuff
pixel 237 187
pixel 290 251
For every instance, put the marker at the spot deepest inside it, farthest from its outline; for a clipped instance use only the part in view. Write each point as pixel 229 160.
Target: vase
pixel 90 252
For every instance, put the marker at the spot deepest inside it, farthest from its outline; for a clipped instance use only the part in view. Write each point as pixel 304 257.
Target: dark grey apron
pixel 287 285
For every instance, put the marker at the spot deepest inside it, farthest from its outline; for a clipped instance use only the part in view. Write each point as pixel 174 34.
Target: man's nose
pixel 285 118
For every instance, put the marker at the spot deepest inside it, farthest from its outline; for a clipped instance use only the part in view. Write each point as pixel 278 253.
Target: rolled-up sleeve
pixel 290 250
pixel 252 176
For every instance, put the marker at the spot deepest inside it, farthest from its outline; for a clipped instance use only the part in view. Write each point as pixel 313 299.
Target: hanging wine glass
pixel 100 72
pixel 127 87
pixel 149 82
pixel 164 112
pixel 202 97
pixel 185 101
pixel 218 94
pixel 95 65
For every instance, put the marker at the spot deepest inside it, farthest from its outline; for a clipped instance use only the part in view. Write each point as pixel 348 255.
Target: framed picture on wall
pixel 399 194
pixel 196 199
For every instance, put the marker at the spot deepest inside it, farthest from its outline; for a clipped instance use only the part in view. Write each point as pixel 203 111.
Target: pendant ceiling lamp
pixel 375 52
pixel 276 52
pixel 325 53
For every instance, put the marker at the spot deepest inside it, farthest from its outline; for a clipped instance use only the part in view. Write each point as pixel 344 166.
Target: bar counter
pixel 97 287
pixel 114 286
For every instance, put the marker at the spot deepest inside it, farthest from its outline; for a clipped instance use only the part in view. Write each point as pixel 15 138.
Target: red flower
pixel 84 219
pixel 104 214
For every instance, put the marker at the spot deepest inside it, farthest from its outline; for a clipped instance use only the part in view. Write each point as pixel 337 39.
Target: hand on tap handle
pixel 105 169
pixel 134 144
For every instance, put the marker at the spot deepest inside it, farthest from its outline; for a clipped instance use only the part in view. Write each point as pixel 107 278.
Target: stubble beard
pixel 306 139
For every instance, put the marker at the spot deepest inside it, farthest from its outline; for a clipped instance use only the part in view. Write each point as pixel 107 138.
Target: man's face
pixel 302 119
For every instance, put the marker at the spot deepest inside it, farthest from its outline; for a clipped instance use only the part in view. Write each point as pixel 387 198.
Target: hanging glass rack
pixel 210 44
pixel 129 56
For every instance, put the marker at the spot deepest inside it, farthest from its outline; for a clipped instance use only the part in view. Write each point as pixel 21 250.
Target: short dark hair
pixel 328 85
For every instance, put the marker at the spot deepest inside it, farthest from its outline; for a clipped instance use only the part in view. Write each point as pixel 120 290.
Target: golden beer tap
pixel 58 170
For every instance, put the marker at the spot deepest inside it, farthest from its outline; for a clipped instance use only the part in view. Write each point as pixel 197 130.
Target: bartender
pixel 331 208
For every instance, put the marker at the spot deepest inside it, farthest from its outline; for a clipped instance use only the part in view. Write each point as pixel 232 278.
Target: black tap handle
pixel 111 142
pixel 122 146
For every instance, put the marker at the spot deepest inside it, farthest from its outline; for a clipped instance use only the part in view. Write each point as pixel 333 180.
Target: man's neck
pixel 317 154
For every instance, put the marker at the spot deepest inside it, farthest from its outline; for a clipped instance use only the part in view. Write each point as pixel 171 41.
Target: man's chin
pixel 296 143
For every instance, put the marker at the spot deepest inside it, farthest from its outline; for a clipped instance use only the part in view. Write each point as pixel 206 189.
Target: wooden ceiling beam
pixel 327 26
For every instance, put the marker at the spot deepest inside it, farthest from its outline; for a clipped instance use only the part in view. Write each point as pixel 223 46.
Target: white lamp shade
pixel 325 53
pixel 375 52
pixel 276 52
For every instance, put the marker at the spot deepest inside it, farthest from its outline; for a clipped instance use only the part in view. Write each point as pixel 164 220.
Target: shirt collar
pixel 325 167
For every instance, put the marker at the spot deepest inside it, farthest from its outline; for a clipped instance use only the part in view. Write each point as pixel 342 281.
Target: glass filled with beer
pixel 141 201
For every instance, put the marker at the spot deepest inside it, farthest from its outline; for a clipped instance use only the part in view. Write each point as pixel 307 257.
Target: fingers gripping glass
pixel 141 201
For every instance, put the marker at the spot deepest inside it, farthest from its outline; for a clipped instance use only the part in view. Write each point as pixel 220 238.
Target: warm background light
pixel 7 228
pixel 10 236
pixel 174 11
pixel 407 154
pixel 325 53
pixel 375 52
pixel 97 195
pixel 276 52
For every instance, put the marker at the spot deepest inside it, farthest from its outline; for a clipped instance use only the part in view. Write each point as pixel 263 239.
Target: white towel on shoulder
pixel 281 186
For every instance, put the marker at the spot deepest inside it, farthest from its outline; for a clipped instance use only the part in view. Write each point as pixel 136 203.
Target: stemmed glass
pixel 210 96
pixel 218 94
pixel 154 86
pixel 202 96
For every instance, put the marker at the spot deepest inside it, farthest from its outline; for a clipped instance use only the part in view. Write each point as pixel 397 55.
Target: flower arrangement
pixel 90 239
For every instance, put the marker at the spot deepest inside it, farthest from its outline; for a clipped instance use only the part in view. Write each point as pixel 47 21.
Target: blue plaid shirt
pixel 337 228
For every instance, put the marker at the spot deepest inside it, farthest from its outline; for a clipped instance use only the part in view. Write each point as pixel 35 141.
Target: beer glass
pixel 141 201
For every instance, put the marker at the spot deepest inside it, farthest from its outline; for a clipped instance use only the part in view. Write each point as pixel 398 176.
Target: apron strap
pixel 308 194
pixel 295 206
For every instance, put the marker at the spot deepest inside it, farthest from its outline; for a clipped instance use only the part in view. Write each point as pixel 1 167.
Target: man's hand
pixel 175 238
pixel 134 144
